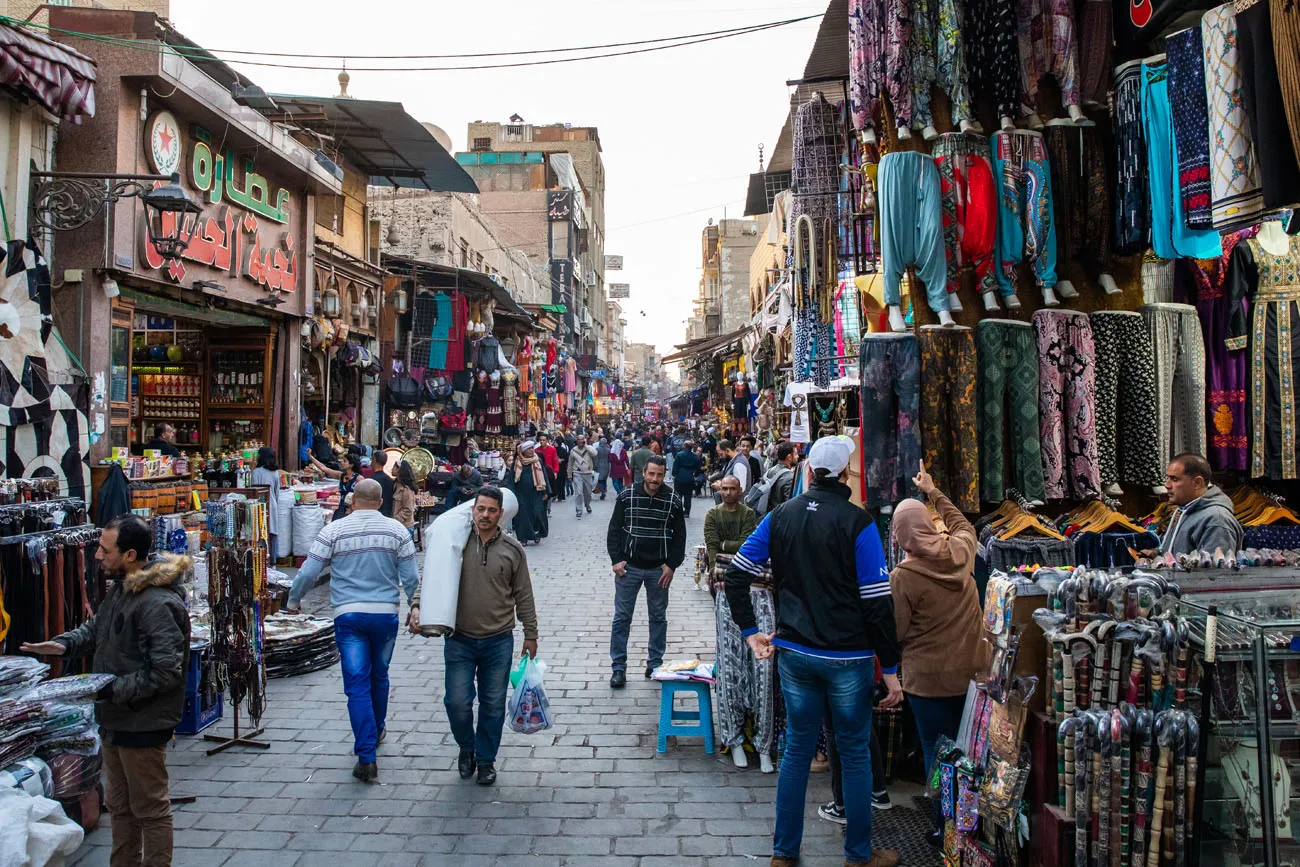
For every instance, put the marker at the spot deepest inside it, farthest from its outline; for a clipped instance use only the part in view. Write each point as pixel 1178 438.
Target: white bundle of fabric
pixel 444 542
pixel 307 521
pixel 284 539
pixel 35 832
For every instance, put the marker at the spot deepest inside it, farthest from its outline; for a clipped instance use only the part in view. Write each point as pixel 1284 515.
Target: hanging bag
pixel 529 710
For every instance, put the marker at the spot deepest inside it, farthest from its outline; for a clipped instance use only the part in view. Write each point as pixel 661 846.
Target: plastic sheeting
pixel 284 521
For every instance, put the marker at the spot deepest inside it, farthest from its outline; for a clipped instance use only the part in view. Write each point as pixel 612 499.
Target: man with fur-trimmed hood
pixel 141 634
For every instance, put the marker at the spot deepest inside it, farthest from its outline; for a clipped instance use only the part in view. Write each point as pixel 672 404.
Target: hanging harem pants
pixel 1026 228
pixel 911 225
pixel 1082 195
pixel 949 436
pixel 1132 226
pixel 1066 405
pixel 745 687
pixel 890 368
pixel 866 61
pixel 1008 409
pixel 994 58
pixel 1048 46
pixel 1180 378
pixel 938 57
pixel 968 199
pixel 1126 399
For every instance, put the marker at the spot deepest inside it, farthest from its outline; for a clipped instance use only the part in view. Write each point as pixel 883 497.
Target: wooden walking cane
pixel 1081 798
pixel 1165 743
pixel 1124 720
pixel 1065 736
pixel 1142 737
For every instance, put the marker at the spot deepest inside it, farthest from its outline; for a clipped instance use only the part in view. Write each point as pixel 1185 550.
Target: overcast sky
pixel 680 128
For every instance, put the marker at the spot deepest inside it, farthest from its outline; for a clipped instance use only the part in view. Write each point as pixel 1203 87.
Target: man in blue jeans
pixel 646 540
pixel 494 586
pixel 371 560
pixel 834 618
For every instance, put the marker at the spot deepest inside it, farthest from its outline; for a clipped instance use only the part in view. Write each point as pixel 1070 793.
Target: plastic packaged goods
pixel 74 687
pixel 529 710
pixel 20 673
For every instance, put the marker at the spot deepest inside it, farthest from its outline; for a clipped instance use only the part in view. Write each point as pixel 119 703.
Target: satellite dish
pixel 440 134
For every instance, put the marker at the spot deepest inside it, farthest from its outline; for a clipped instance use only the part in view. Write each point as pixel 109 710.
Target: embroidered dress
pixel 1225 369
pixel 1186 55
pixel 1236 196
pixel 1272 283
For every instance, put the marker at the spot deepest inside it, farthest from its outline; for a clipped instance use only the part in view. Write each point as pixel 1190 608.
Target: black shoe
pixel 649 672
pixel 589 508
pixel 365 771
pixel 465 764
pixel 618 679
pixel 487 775
pixel 880 800
pixel 832 812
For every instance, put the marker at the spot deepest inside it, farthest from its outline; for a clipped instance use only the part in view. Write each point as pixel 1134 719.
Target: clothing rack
pixel 26 537
pixel 44 504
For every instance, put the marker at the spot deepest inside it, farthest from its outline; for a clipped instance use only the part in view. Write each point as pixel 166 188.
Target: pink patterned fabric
pixel 866 61
pixel 1066 405
pixel 60 79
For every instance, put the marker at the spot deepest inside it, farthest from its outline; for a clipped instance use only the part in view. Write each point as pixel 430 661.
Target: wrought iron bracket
pixel 62 201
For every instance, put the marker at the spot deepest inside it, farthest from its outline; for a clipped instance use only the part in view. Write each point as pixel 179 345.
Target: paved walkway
pixel 589 791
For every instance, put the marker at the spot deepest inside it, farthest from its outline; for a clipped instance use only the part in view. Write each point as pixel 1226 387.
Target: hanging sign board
pixel 620 290
pixel 613 263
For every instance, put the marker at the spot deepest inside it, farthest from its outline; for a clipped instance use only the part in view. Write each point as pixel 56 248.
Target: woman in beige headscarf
pixel 526 476
pixel 936 612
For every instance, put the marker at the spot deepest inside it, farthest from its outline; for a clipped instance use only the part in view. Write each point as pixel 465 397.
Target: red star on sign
pixel 166 138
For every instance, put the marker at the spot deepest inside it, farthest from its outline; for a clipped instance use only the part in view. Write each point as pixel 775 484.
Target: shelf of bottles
pixel 235 434
pixel 237 378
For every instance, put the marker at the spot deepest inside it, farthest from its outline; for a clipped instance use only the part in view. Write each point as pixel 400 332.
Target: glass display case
pixel 1249 702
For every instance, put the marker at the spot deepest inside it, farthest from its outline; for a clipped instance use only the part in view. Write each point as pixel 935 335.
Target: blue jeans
pixel 487 660
pixel 626 589
pixel 808 683
pixel 365 643
pixel 935 717
pixel 618 485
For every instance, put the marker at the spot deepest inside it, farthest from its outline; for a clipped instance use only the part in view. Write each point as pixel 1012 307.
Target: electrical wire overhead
pixel 234 56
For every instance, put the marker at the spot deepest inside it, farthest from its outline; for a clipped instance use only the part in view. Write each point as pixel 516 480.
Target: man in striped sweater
pixel 834 617
pixel 646 540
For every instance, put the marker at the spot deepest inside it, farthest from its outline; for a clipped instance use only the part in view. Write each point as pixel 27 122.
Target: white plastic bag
pixel 529 709
pixel 444 543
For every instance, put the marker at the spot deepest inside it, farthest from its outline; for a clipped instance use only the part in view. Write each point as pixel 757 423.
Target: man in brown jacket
pixel 141 633
pixel 494 586
pixel 936 612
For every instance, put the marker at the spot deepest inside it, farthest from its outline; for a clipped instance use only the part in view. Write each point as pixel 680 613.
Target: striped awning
pixel 57 77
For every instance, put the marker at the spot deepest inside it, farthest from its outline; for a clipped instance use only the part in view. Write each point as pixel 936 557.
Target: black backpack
pixel 403 392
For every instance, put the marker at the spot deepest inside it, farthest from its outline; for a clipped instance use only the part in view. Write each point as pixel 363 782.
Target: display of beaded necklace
pixel 236 577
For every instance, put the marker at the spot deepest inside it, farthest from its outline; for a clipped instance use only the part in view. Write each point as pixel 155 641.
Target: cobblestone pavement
pixel 589 791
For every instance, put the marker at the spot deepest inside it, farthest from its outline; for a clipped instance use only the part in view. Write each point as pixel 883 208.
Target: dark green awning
pixel 181 310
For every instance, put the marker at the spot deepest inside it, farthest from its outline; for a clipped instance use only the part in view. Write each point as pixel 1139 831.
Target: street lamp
pixel 63 201
pixel 330 300
pixel 170 241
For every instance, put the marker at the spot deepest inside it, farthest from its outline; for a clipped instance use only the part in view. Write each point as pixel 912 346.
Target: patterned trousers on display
pixel 1180 378
pixel 1066 405
pixel 1008 402
pixel 745 686
pixel 948 429
pixel 891 395
pixel 1126 399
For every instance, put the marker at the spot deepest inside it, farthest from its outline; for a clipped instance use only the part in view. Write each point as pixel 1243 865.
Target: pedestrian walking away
pixel 371 560
pixel 494 587
pixel 582 472
pixel 141 634
pixel 834 617
pixel 686 465
pixel 646 540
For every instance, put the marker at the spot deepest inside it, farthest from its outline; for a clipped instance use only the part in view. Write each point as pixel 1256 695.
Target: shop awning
pixel 379 139
pixel 47 72
pixel 428 275
pixel 181 310
pixel 705 345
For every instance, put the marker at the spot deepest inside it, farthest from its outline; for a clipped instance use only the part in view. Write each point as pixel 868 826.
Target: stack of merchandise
pixel 297 644
pixel 48 734
pixel 685 669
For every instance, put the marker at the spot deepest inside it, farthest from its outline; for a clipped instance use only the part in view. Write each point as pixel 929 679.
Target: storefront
pixel 210 343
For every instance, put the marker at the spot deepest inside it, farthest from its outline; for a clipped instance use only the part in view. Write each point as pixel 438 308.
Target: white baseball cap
pixel 831 454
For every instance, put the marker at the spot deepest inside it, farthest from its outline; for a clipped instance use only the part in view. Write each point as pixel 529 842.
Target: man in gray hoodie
pixel 1203 519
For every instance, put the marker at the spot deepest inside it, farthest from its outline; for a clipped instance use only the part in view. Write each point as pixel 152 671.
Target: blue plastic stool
pixel 685 722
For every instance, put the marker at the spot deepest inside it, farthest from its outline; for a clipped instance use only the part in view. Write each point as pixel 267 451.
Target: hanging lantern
pixel 171 240
pixel 330 302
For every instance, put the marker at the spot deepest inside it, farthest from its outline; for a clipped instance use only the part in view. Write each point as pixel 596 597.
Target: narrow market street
pixel 590 791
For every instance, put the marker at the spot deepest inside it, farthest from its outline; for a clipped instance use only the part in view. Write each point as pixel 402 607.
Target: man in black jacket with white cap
pixel 834 617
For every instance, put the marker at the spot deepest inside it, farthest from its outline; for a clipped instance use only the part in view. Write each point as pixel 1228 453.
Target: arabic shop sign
pixel 232 241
